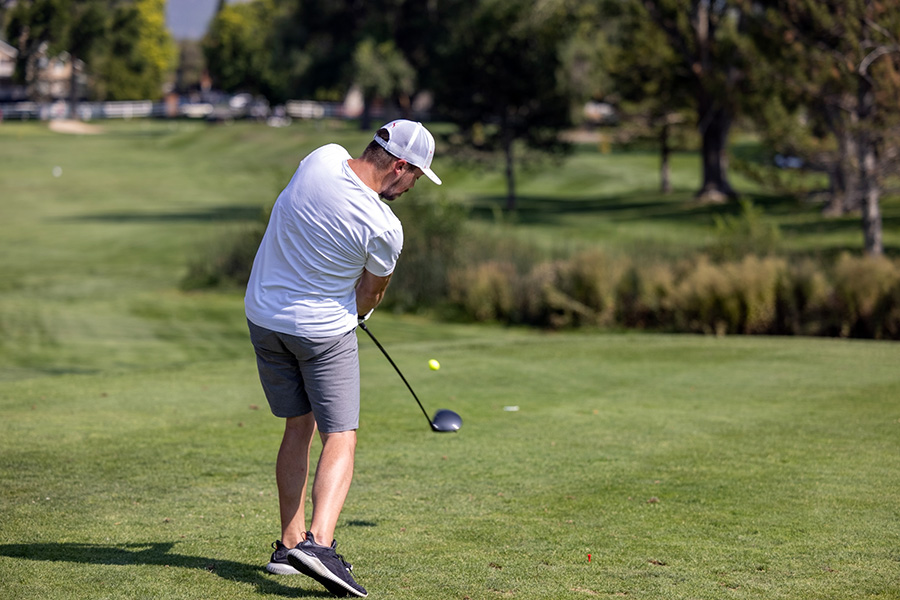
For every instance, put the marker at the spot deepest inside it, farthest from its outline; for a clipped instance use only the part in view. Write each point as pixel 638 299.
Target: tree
pixel 704 34
pixel 499 79
pixel 6 7
pixel 313 48
pixel 140 52
pixel 37 28
pixel 236 47
pixel 381 72
pixel 87 30
pixel 191 66
pixel 635 68
pixel 42 28
pixel 839 62
pixel 128 49
pixel 313 43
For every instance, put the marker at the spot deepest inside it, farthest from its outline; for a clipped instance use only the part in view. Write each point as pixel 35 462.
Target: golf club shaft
pixel 396 368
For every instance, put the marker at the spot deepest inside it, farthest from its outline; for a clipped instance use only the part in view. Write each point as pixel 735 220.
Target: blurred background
pixel 796 101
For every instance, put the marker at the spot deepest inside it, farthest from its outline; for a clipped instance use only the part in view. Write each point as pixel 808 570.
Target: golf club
pixel 444 420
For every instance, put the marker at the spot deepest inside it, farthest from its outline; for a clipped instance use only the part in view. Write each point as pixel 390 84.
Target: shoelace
pixel 340 557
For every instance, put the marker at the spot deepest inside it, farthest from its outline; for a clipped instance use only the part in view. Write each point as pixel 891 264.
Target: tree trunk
pixel 714 124
pixel 365 118
pixel 405 103
pixel 665 169
pixel 869 187
pixel 73 88
pixel 870 192
pixel 844 174
pixel 510 170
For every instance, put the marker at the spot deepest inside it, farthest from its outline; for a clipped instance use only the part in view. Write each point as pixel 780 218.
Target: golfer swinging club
pixel 323 266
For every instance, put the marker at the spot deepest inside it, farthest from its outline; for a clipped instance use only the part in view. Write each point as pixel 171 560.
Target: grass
pixel 137 452
pixel 612 201
pixel 687 467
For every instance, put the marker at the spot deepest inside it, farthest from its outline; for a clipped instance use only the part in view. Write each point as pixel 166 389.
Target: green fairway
pixel 686 467
pixel 137 451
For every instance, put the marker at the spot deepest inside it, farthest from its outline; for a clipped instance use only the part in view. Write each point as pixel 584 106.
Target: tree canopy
pixel 125 44
pixel 836 64
pixel 501 78
pixel 236 48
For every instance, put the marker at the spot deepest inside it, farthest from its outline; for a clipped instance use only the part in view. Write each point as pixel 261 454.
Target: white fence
pixel 88 111
pixel 85 111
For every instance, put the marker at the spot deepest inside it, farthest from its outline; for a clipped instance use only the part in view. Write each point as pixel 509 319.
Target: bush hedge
pixel 855 297
pixel 501 278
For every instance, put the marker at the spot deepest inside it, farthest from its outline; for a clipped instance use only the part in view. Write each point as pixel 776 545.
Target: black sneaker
pixel 325 566
pixel 279 564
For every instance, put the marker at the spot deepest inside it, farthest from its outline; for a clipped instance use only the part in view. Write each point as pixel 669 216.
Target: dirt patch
pixel 77 127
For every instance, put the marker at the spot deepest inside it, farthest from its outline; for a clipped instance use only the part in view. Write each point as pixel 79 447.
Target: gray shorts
pixel 300 375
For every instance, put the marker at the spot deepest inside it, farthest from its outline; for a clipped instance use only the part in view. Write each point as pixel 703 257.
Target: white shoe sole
pixel 281 569
pixel 313 567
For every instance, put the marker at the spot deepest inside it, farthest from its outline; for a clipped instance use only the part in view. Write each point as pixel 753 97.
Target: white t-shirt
pixel 325 228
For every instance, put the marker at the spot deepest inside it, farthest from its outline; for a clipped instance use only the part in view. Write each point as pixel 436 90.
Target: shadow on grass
pixel 548 210
pixel 214 214
pixel 160 554
pixel 680 206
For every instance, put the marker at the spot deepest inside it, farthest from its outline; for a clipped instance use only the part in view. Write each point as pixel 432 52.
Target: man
pixel 323 266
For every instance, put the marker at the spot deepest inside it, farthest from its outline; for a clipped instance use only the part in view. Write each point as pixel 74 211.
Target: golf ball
pixel 434 365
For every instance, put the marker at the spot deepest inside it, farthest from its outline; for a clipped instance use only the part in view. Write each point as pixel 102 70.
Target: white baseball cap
pixel 411 142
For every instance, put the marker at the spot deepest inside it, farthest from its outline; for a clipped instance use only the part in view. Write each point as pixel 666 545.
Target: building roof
pixel 8 50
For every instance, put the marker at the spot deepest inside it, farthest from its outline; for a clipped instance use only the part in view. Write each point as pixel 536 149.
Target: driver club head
pixel 445 421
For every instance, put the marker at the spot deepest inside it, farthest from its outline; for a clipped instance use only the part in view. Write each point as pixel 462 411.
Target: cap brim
pixel 430 174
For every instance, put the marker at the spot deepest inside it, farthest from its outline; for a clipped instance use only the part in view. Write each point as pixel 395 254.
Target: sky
pixel 188 19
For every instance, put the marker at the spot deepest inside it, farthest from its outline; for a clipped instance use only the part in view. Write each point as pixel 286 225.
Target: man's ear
pixel 400 165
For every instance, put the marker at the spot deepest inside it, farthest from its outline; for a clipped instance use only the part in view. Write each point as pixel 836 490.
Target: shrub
pixel 544 302
pixel 748 232
pixel 485 292
pixel 432 244
pixel 802 300
pixel 589 279
pixel 509 279
pixel 755 282
pixel 644 297
pixel 703 301
pixel 579 291
pixel 227 263
pixel 867 296
pixel 536 297
pixel 891 311
pixel 730 298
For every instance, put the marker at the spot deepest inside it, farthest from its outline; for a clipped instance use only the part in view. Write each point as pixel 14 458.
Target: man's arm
pixel 369 292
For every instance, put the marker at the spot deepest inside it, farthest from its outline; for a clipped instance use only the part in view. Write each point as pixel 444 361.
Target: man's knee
pixel 339 438
pixel 304 425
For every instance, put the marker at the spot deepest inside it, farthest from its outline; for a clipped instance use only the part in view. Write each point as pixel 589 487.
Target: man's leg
pixel 320 560
pixel 291 475
pixel 332 482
